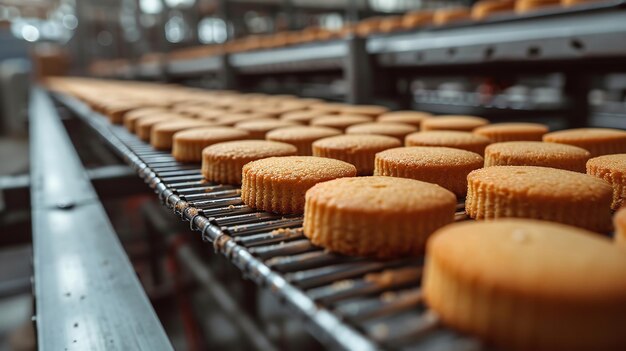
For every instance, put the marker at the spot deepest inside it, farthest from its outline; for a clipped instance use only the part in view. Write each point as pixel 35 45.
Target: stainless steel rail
pixel 349 303
pixel 86 292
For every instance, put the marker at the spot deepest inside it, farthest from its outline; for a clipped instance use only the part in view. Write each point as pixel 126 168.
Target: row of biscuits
pixel 412 20
pixel 446 167
pixel 515 283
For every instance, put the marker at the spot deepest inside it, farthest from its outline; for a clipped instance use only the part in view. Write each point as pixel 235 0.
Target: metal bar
pixel 575 36
pixel 223 298
pixel 358 72
pixel 86 291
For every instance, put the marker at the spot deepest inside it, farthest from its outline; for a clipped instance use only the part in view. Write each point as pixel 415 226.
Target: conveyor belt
pixel 350 303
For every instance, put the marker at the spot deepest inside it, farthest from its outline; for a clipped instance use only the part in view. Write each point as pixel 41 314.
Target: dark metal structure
pixel 87 295
pixel 580 42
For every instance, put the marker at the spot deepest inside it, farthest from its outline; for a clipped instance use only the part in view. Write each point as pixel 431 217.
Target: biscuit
pixel 500 132
pixel 358 150
pixel 523 6
pixel 222 162
pixel 598 141
pixel 450 15
pixel 230 119
pixel 278 184
pixel 304 117
pixel 413 118
pixel 188 144
pixel 536 153
pixel 259 128
pixel 486 8
pixel 143 126
pixel 396 130
pixel 439 165
pixel 346 215
pixel 365 110
pixel 449 138
pixel 611 168
pixel 131 117
pixel 340 122
pixel 458 123
pixel 301 137
pixel 542 193
pixel 516 284
pixel 162 133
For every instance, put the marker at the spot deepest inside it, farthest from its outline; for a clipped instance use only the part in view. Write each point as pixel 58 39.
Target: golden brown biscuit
pixel 143 126
pixel 340 122
pixel 500 132
pixel 162 133
pixel 304 117
pixel 210 114
pixel 611 168
pixel 439 165
pixel 536 153
pixel 329 107
pixel 598 141
pixel 458 123
pixel 131 117
pixel 222 162
pixel 390 24
pixel 116 111
pixel 541 193
pixel 515 283
pixel 188 144
pixel 367 26
pixel 619 222
pixel 231 119
pixel 277 110
pixel 346 215
pixel 413 118
pixel 417 19
pixel 259 128
pixel 568 3
pixel 301 137
pixel 364 110
pixel 358 150
pixel 485 8
pixel 449 138
pixel 450 15
pixel 278 184
pixel 523 6
pixel 396 130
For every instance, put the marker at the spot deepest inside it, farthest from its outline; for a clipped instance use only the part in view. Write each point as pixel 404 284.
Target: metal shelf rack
pixel 578 42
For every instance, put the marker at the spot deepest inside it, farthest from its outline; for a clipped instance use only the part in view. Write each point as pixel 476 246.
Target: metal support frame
pixel 577 87
pixel 358 72
pixel 543 41
pixel 86 292
pixel 223 298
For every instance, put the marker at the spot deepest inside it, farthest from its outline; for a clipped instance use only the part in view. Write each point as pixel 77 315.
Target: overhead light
pixel 180 3
pixel 70 21
pixel 30 33
pixel 151 7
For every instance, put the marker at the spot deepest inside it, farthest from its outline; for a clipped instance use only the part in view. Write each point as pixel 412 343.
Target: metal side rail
pixel 591 31
pixel 87 294
pixel 348 303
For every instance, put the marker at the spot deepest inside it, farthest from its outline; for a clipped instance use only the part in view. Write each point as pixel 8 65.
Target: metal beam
pixel 86 291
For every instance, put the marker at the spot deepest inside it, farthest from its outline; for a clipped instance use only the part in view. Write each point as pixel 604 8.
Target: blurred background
pixel 562 63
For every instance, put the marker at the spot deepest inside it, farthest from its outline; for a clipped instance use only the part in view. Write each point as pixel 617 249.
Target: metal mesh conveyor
pixel 347 302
